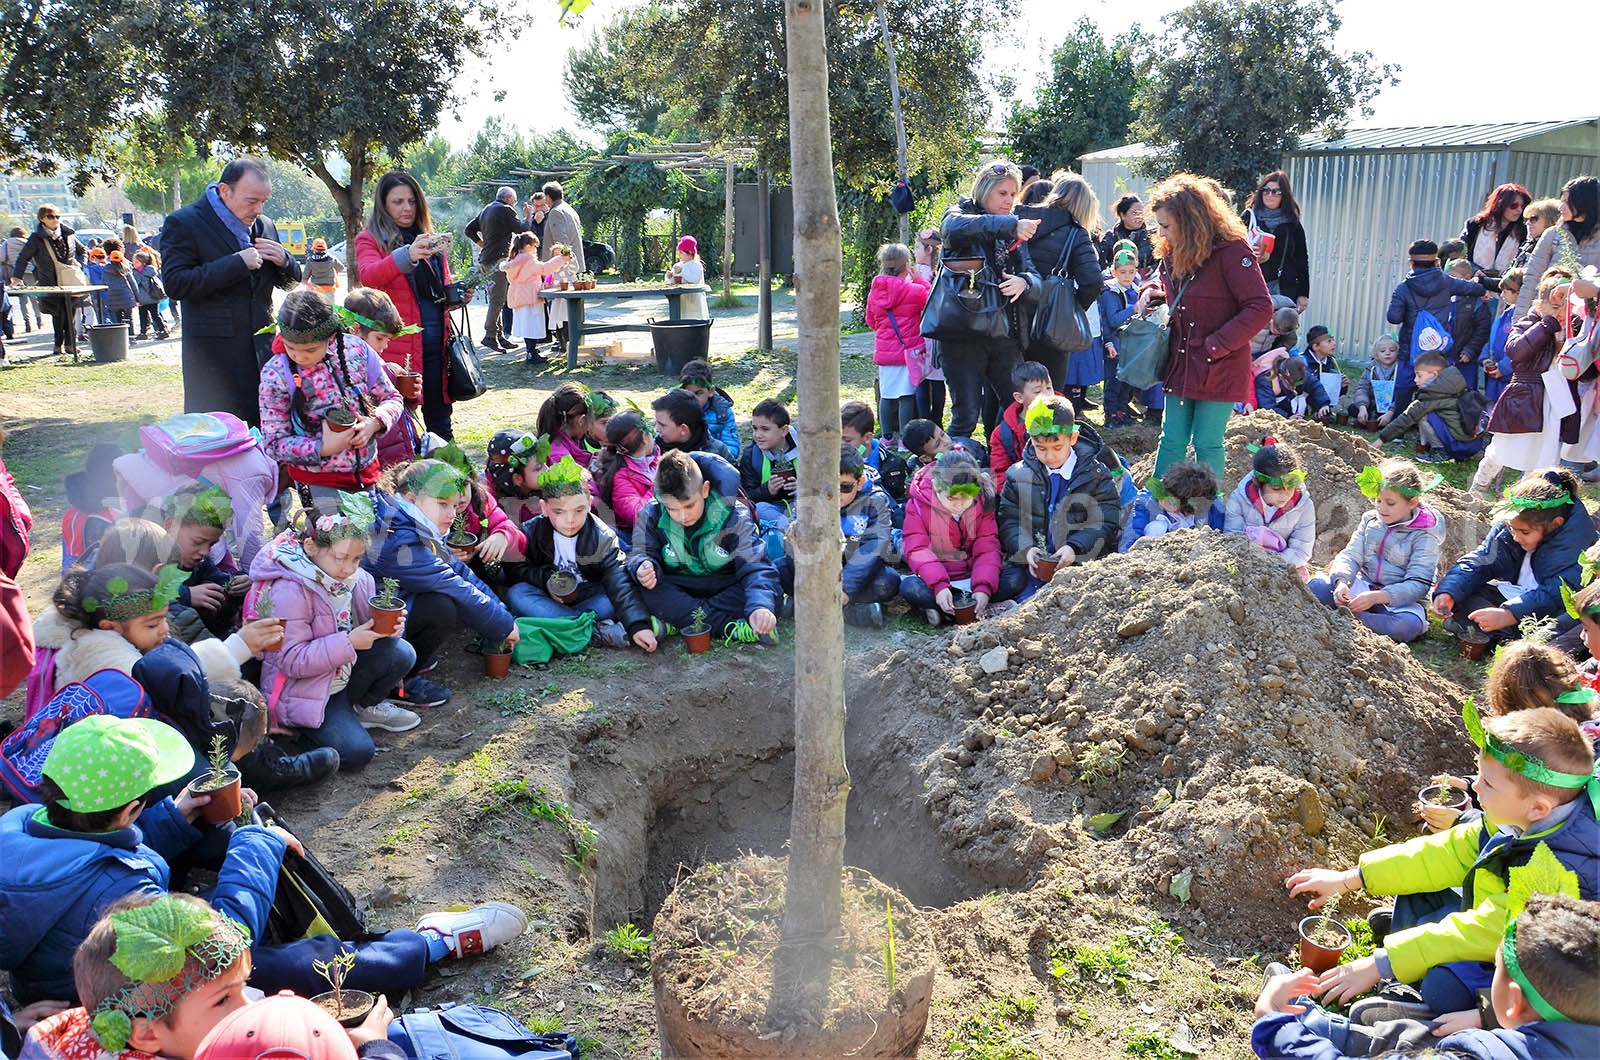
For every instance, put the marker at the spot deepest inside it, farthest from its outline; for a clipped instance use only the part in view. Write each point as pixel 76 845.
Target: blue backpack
pixel 1429 335
pixel 23 752
pixel 474 1032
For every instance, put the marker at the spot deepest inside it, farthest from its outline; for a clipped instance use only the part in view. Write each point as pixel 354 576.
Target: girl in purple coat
pixel 328 678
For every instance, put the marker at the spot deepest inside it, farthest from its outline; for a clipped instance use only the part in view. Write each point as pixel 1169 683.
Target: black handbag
pixel 455 294
pixel 464 379
pixel 309 901
pixel 1060 323
pixel 965 305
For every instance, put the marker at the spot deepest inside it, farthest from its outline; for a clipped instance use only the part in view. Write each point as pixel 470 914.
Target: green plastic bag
pixel 542 639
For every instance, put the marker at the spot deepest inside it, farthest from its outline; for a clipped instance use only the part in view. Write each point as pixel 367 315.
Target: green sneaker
pixel 740 631
pixel 661 628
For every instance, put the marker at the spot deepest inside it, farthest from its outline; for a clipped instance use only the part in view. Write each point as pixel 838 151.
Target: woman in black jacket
pixel 1065 241
pixel 1287 269
pixel 52 244
pixel 1495 234
pixel 983 227
pixel 1130 226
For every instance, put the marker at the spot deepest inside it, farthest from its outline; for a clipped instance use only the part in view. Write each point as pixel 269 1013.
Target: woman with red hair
pixel 1495 233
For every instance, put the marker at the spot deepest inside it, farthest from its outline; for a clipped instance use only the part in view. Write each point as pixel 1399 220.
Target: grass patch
pixel 515 793
pixel 628 942
pixel 996 1031
pixel 1152 1045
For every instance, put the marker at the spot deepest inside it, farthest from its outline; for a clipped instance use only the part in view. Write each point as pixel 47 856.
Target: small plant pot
pixel 967 613
pixel 409 385
pixel 566 285
pixel 1443 795
pixel 1472 648
pixel 496 665
pixel 1322 952
pixel 1045 569
pixel 563 586
pixel 339 420
pixel 1341 418
pixel 698 643
pixel 461 539
pixel 356 1005
pixel 385 620
pixel 225 801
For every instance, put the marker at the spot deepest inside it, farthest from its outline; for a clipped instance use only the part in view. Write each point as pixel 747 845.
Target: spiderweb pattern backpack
pixel 23 752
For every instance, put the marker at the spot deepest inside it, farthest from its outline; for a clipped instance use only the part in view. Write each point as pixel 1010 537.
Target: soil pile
pixel 1182 722
pixel 1332 459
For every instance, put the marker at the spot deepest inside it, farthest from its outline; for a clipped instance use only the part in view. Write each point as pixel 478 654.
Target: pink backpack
pixel 188 442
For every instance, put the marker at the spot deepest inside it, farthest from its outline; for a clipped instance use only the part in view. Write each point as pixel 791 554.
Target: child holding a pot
pixel 329 675
pixel 1183 498
pixel 696 550
pixel 495 535
pixel 1272 507
pixel 952 542
pixel 372 317
pixel 1384 573
pixel 1060 505
pixel 325 400
pixel 767 471
pixel 1531 554
pixel 195 520
pixel 416 505
pixel 1453 891
pixel 574 564
pixel 866 518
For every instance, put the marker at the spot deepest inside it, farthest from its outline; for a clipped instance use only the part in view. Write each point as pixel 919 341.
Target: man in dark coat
pixel 492 230
pixel 222 258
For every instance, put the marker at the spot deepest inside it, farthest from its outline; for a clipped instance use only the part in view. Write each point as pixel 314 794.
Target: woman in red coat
pixel 1210 278
pixel 400 254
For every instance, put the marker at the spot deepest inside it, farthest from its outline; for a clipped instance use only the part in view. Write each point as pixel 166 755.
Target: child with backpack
pixel 150 293
pixel 1445 412
pixel 321 271
pixel 894 313
pixel 1422 305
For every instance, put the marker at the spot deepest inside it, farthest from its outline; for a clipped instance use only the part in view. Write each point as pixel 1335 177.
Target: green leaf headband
pixel 599 403
pixel 1508 950
pixel 1371 483
pixel 353 319
pixel 440 481
pixel 529 448
pixel 1509 503
pixel 1125 252
pixel 1570 600
pixel 960 489
pixel 209 507
pixel 355 518
pixel 455 456
pixel 1524 763
pixel 565 479
pixel 1041 420
pixel 1291 480
pixel 168 949
pixel 123 604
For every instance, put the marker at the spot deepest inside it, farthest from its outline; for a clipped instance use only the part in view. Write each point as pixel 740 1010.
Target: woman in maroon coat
pixel 1210 278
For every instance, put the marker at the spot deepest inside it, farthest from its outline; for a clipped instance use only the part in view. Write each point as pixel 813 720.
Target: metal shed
pixel 1111 173
pixel 1367 194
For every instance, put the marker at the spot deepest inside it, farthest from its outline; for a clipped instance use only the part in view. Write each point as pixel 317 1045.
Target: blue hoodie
pixel 1281 1036
pixel 1425 288
pixel 409 549
pixel 1555 561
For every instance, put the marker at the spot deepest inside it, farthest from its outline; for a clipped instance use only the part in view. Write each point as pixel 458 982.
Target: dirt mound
pixel 1183 722
pixel 1333 458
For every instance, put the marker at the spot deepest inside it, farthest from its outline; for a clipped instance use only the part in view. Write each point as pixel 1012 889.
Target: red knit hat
pixel 284 1027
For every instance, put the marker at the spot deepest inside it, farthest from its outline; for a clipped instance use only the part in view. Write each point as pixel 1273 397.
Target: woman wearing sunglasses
pixel 1274 212
pixel 51 246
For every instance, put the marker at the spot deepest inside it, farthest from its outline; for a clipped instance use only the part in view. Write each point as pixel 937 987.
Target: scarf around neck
pixel 1268 219
pixel 240 230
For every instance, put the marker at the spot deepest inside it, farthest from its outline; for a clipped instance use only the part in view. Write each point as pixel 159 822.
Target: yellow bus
pixel 294 237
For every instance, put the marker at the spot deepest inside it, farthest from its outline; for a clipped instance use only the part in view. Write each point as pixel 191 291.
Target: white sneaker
pixel 388 717
pixel 476 930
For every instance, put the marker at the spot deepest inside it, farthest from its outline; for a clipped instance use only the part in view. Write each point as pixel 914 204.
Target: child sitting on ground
pixel 1272 342
pixel 1386 570
pixel 1372 402
pixel 1290 391
pixel 767 472
pixel 925 440
pixel 330 674
pixel 1586 602
pixel 194 519
pixel 416 506
pixel 1495 361
pixel 1271 506
pixel 625 471
pixel 1522 565
pixel 1437 411
pixel 602 406
pixel 481 516
pixel 886 468
pixel 567 538
pixel 564 419
pixel 319 377
pixel 867 522
pixel 952 541
pixel 696 555
pixel 1029 380
pixel 1539 795
pixel 714 402
pixel 894 312
pixel 1544 994
pixel 513 463
pixel 1185 497
pixel 681 425
pixel 1322 365
pixel 1059 503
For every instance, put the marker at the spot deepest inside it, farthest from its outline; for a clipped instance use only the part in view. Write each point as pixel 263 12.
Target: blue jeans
pixel 531 601
pixel 377 670
pixel 1399 626
pixel 1451 987
pixel 1200 422
pixel 392 963
pixel 920 595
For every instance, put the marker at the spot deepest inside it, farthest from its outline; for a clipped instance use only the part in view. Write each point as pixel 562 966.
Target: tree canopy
pixel 1230 85
pixel 1084 102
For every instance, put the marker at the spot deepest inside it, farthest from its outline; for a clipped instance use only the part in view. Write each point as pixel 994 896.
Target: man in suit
pixel 492 230
pixel 222 258
pixel 562 225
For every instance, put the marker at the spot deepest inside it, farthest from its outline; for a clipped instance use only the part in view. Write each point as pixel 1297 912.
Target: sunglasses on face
pixel 52 217
pixel 848 486
pixel 1272 189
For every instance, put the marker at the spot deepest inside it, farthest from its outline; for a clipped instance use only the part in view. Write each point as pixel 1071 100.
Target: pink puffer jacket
pixel 904 297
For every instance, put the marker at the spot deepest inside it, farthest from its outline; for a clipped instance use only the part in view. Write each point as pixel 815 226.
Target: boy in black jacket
pixel 767 470
pixel 574 564
pixel 696 555
pixel 195 520
pixel 1470 326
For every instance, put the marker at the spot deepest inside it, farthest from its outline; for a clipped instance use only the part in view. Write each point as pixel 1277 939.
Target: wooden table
pixel 576 329
pixel 60 292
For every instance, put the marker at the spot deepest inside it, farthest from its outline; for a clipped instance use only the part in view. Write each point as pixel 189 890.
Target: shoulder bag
pixel 965 303
pixel 464 378
pixel 1059 323
pixel 1144 346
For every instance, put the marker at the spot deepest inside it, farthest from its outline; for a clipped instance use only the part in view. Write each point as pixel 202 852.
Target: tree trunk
pixel 764 258
pixel 821 779
pixel 899 117
pixel 347 197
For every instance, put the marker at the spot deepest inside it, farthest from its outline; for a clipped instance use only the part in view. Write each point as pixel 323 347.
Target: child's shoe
pixel 418 691
pixel 934 616
pixel 270 768
pixel 1380 921
pixel 739 630
pixel 662 629
pixel 611 633
pixel 1393 1001
pixel 866 616
pixel 388 717
pixel 476 930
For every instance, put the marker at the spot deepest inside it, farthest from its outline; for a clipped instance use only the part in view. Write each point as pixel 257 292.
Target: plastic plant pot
pixel 352 1009
pixel 385 620
pixel 1045 569
pixel 1443 795
pixel 461 539
pixel 965 608
pixel 698 643
pixel 496 664
pixel 225 801
pixel 410 385
pixel 1319 954
pixel 1472 646
pixel 563 586
pixel 339 420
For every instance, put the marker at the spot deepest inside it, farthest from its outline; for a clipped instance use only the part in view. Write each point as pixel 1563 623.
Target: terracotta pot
pixel 356 1005
pixel 566 285
pixel 1315 956
pixel 385 620
pixel 496 665
pixel 225 801
pixel 336 422
pixel 966 614
pixel 1045 569
pixel 563 586
pixel 461 539
pixel 1341 418
pixel 699 643
pixel 1429 796
pixel 1472 649
pixel 409 385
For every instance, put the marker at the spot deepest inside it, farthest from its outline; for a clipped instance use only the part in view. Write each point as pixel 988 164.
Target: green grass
pixel 1108 965
pixel 1152 1045
pixel 628 943
pixel 995 1031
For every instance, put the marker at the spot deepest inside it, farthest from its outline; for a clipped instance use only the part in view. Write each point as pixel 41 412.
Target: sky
pixel 1435 83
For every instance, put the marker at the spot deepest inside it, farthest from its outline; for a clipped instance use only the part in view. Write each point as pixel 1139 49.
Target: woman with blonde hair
pixel 1069 228
pixel 1209 278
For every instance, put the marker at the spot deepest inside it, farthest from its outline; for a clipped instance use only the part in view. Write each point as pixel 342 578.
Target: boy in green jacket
pixel 1539 793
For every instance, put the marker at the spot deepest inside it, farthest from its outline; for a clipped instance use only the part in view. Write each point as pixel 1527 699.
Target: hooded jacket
pixel 599 562
pixel 1007 443
pixel 902 298
pixel 411 551
pixel 1281 1036
pixel 1441 395
pixel 632 487
pixel 1499 557
pixel 868 526
pixel 941 549
pixel 314 648
pixel 723 545
pixel 1401 560
pixel 1088 518
pixel 1431 289
pixel 722 424
pixel 55 884
pixel 1146 508
pixel 1296 522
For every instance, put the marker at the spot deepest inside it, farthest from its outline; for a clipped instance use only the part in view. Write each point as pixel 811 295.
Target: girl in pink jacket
pixel 625 470
pixel 526 277
pixel 951 538
pixel 328 680
pixel 894 313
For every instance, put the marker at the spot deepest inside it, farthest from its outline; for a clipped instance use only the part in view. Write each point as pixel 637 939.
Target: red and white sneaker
pixel 476 930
